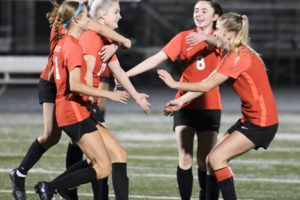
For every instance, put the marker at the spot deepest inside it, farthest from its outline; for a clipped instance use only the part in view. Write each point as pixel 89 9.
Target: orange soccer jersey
pixel 91 44
pixel 52 43
pixel 70 106
pixel 197 63
pixel 250 81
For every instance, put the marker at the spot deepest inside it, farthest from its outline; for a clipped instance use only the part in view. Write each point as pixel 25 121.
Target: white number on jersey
pixel 57 75
pixel 200 64
pixel 102 69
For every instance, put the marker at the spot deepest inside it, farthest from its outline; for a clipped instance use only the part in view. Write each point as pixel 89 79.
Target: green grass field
pixel 272 174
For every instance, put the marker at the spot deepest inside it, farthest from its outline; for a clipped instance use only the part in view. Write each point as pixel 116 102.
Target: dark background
pixel 150 24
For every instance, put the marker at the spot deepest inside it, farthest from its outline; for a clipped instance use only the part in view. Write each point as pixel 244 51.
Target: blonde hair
pixel 104 5
pixel 238 24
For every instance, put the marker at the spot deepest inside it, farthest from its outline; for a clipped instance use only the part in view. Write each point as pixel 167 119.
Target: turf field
pixel 151 147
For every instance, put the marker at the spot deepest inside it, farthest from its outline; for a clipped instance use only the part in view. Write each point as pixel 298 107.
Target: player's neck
pixel 207 30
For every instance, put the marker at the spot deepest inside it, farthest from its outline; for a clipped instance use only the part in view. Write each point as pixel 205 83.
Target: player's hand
pixel 117 84
pixel 171 107
pixel 119 96
pixel 195 38
pixel 141 100
pixel 107 52
pixel 126 44
pixel 166 77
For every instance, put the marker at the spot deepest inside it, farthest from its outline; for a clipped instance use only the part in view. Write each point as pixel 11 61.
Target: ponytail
pixel 241 37
pixel 53 13
pixel 57 27
pixel 238 24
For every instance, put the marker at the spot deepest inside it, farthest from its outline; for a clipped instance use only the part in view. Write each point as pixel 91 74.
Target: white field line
pixel 174 158
pixel 112 195
pixel 173 176
pixel 154 137
pixel 155 145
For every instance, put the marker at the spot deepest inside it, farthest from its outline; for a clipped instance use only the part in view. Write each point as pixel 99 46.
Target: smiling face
pixel 223 37
pixel 204 15
pixel 112 16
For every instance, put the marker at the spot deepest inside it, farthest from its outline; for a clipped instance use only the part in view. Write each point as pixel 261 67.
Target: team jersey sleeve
pixel 233 67
pixel 73 56
pixel 90 43
pixel 173 48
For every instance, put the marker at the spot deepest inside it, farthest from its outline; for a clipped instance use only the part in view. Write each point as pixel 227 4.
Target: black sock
pixel 202 183
pixel 227 189
pixel 185 183
pixel 73 179
pixel 74 155
pixel 79 165
pixel 212 188
pixel 34 153
pixel 120 181
pixel 100 189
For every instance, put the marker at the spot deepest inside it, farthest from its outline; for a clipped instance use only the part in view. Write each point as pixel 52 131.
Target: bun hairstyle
pixel 66 13
pixel 95 5
pixel 218 10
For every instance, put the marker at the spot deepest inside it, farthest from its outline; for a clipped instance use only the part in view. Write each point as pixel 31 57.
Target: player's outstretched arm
pixel 147 64
pixel 120 75
pixel 212 81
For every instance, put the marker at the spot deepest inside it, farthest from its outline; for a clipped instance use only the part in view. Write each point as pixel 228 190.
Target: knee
pixel 50 139
pixel 215 160
pixel 120 156
pixel 186 161
pixel 102 170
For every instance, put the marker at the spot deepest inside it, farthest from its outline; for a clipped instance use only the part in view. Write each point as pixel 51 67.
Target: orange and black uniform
pixel 250 81
pixel 197 63
pixel 71 108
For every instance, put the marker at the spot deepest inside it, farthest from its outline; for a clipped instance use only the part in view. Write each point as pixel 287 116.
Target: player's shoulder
pixel 187 32
pixel 71 43
pixel 89 33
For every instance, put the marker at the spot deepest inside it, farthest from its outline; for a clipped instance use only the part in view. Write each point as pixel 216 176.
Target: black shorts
pixel 260 136
pixel 47 91
pixel 96 113
pixel 77 130
pixel 201 120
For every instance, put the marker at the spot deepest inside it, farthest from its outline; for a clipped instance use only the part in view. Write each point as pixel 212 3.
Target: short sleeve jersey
pixel 70 106
pixel 197 63
pixel 250 81
pixel 52 43
pixel 92 44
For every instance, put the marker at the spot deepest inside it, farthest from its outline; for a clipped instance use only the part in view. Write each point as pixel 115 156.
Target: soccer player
pixel 72 112
pixel 106 12
pixel 200 117
pixel 47 93
pixel 243 67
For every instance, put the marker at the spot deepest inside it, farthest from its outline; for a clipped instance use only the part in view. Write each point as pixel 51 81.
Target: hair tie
pixel 76 13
